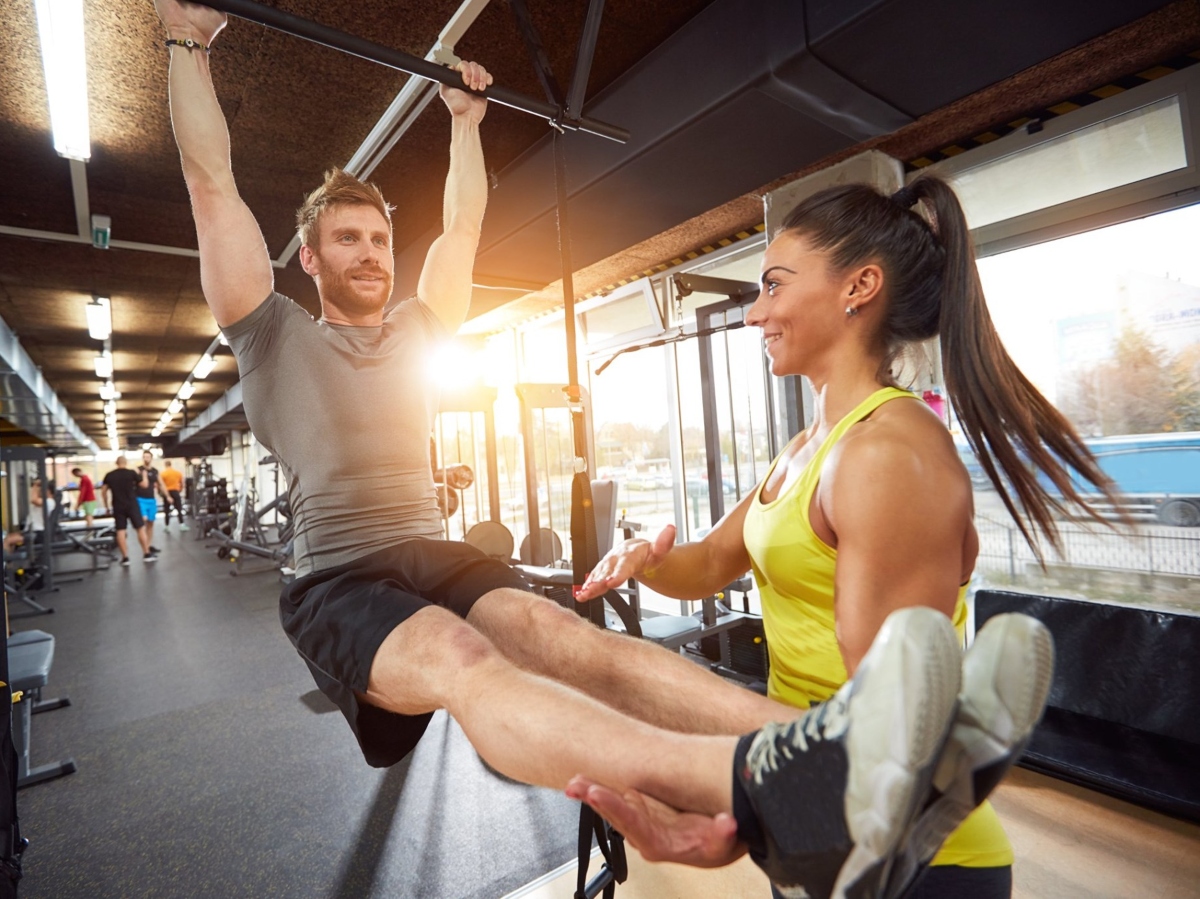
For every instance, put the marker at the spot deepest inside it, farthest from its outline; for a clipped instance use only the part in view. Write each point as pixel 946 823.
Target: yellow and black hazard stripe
pixel 1070 104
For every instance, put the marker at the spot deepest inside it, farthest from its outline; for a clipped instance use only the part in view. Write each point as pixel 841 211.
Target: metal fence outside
pixel 1146 549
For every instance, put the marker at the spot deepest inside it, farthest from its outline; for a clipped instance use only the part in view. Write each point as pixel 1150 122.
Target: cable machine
pixel 477 403
pixel 731 311
pixel 30 568
pixel 537 402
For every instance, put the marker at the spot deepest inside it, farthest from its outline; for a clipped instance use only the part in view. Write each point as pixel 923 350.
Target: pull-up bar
pixel 420 68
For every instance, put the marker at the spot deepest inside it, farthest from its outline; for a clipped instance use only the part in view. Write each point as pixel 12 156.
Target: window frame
pixel 1160 193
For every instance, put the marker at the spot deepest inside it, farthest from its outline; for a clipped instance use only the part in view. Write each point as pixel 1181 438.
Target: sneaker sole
pixel 903 705
pixel 1006 678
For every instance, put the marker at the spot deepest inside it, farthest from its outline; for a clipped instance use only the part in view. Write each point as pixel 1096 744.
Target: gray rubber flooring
pixel 209 766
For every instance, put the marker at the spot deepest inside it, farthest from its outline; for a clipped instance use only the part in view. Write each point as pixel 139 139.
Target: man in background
pixel 120 497
pixel 149 488
pixel 172 481
pixel 86 501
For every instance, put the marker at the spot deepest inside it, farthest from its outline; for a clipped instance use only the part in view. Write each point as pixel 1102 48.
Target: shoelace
pixel 775 742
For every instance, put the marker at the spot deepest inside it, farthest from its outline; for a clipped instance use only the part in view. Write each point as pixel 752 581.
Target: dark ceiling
pixel 295 108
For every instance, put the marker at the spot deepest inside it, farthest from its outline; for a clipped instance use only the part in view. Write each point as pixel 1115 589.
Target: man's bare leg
pixel 634 676
pixel 538 731
pixel 122 543
pixel 825 801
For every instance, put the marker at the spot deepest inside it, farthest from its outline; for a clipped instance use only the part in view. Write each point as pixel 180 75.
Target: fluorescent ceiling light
pixel 108 391
pixel 204 367
pixel 110 408
pixel 221 339
pixel 99 318
pixel 156 431
pixel 104 365
pixel 186 391
pixel 174 406
pixel 60 26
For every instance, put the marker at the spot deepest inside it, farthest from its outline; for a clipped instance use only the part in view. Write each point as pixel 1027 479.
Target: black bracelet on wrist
pixel 188 43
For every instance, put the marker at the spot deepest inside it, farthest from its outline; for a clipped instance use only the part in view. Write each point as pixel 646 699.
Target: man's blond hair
pixel 340 189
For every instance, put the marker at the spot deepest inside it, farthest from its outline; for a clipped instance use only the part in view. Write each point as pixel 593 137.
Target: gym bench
pixel 30 656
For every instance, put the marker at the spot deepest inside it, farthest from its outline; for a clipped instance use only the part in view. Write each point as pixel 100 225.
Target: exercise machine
pixel 209 501
pixel 248 531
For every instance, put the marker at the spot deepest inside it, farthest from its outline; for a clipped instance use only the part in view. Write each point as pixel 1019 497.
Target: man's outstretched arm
pixel 235 268
pixel 445 284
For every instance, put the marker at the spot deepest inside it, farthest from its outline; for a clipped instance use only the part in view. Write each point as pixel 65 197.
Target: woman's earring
pixel 851 310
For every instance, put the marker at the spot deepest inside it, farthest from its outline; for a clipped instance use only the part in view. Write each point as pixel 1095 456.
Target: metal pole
pixel 413 65
pixel 583 58
pixel 564 250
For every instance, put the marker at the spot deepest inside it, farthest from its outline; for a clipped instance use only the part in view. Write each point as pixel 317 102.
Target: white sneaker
pixel 1006 678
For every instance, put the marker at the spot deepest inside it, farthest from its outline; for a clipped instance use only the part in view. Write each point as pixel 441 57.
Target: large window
pixel 650 405
pixel 1107 325
pixel 1089 264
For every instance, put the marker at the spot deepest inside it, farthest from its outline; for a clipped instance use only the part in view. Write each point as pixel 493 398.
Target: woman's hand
pixel 659 832
pixel 630 559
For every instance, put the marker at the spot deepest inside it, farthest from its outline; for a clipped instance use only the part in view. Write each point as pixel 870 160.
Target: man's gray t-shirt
pixel 348 412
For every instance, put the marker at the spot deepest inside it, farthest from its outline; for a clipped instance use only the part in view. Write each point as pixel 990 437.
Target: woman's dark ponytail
pixel 1007 421
pixel 933 288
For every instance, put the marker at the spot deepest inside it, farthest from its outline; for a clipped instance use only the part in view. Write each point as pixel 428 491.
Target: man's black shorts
pixel 337 618
pixel 124 515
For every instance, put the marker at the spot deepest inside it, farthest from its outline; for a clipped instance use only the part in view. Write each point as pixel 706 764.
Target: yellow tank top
pixel 794 570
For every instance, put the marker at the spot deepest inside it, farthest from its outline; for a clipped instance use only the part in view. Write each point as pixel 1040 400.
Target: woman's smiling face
pixel 799 308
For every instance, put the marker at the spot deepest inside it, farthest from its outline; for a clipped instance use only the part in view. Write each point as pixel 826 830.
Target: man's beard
pixel 338 289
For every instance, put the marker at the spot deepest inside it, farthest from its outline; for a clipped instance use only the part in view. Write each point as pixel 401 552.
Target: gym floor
pixel 210 766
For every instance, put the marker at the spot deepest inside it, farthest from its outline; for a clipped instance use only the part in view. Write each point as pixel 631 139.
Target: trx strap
pixel 584 546
pixel 612 848
pixel 584 550
pixel 584 539
pixel 585 556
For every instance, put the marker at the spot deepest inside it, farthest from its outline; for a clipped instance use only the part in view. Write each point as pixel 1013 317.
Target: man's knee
pixel 534 617
pixel 418 664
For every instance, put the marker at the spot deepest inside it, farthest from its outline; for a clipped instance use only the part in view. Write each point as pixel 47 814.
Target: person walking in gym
pixel 119 489
pixel 870 509
pixel 395 622
pixel 172 481
pixel 149 489
pixel 86 501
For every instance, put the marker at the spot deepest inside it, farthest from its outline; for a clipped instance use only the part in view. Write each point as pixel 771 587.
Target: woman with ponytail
pixel 870 509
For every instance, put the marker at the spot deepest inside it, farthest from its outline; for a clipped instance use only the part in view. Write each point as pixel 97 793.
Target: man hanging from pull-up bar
pixel 395 622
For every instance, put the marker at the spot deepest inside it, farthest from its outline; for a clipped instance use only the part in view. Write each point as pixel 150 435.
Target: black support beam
pixel 583 58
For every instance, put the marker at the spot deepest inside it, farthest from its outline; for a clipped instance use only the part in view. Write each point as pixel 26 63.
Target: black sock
pixel 749 831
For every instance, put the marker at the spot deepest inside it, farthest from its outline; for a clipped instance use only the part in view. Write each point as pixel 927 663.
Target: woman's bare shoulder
pixel 904 438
